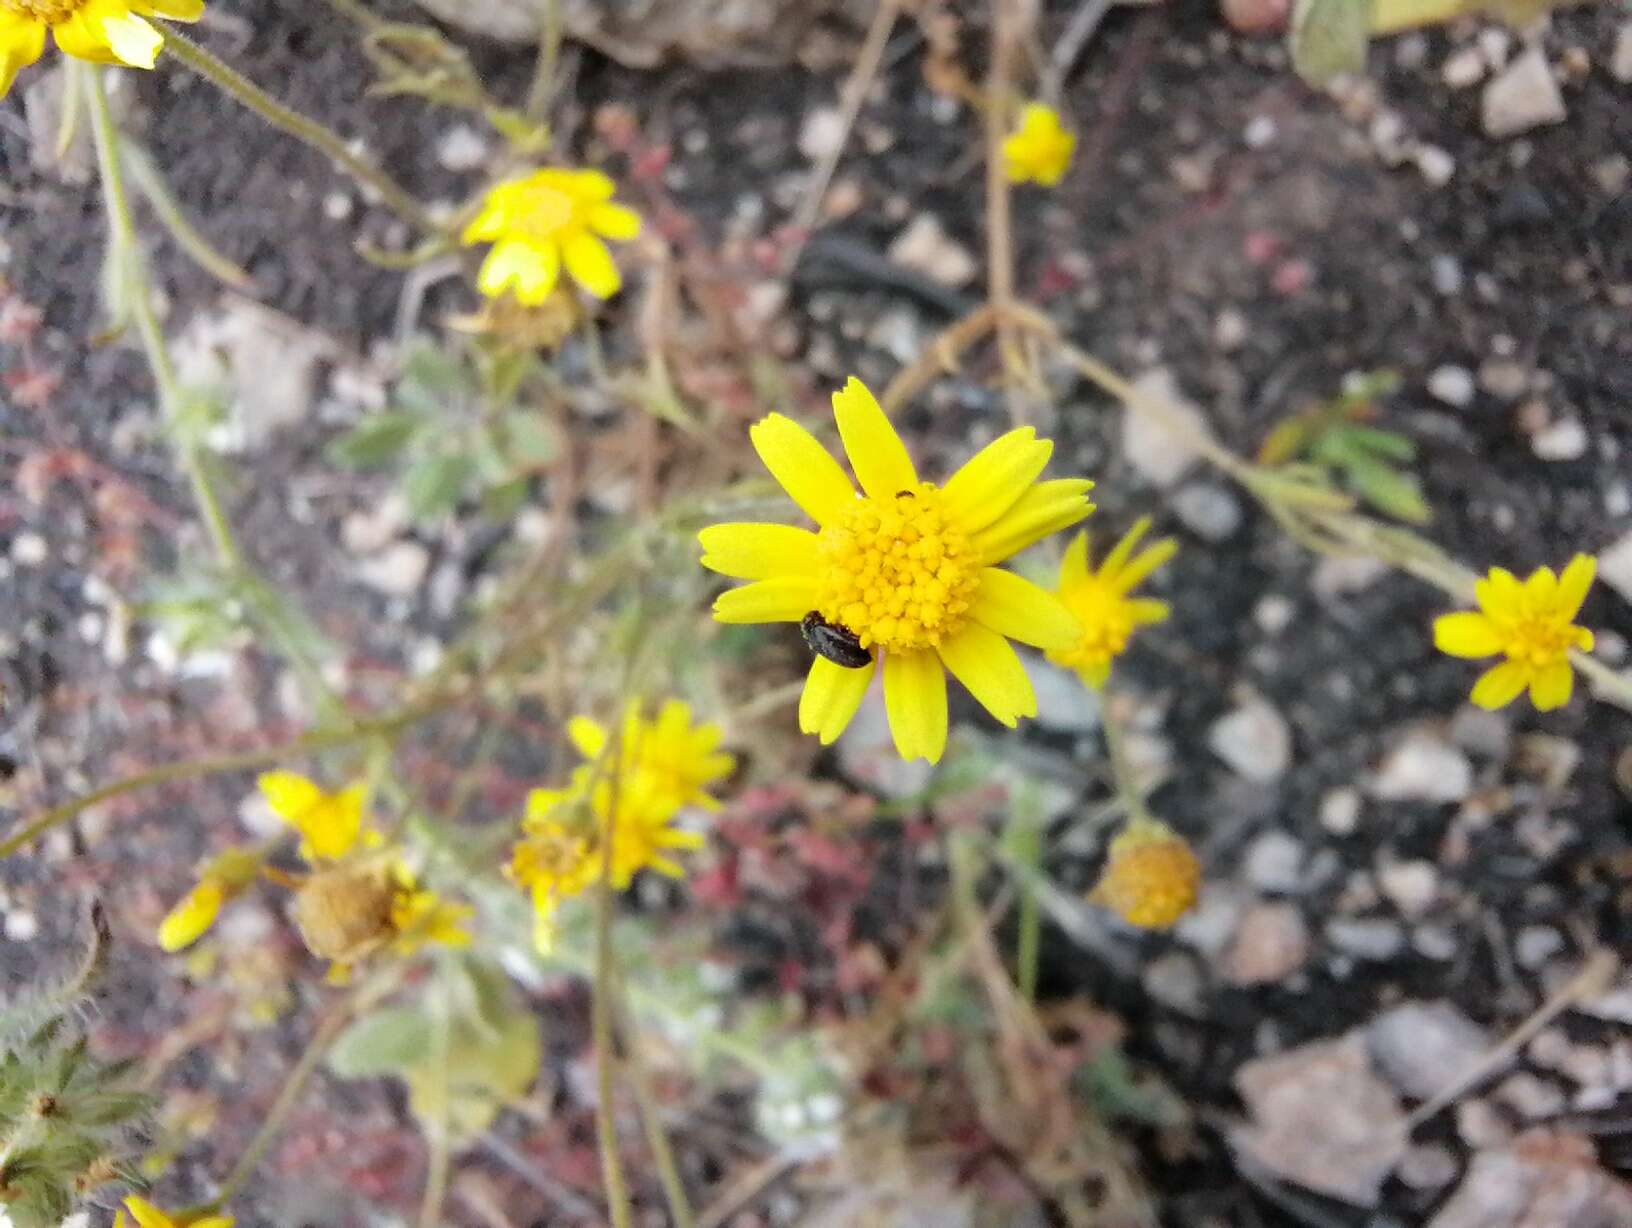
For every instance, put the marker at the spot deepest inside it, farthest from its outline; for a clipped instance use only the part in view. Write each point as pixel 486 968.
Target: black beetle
pixel 838 644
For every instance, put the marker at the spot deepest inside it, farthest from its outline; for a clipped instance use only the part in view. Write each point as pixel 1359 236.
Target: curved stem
pixel 229 80
pixel 601 1022
pixel 127 258
pixel 1122 770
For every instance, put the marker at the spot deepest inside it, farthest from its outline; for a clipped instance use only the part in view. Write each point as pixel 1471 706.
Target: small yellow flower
pixel 1532 624
pixel 1099 599
pixel 906 568
pixel 223 877
pixel 102 31
pixel 423 918
pixel 635 789
pixel 1040 149
pixel 545 220
pixel 147 1215
pixel 330 824
pixel 1151 877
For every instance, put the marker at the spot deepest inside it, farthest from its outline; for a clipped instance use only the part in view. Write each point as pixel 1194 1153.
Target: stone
pixel 1369 938
pixel 1411 886
pixel 1161 456
pixel 1422 1047
pixel 1620 60
pixel 1230 330
pixel 1213 921
pixel 1434 164
pixel 1480 1124
pixel 1274 862
pixel 1564 439
pixel 925 247
pixel 1489 734
pixel 1523 96
pixel 1211 512
pixel 1422 768
pixel 1174 980
pixel 1340 811
pixel 1543 1179
pixel 822 134
pixel 1340 575
pixel 1530 1096
pixel 1428 1167
pixel 1462 68
pixel 1271 943
pixel 1322 1118
pixel 1534 945
pixel 398 570
pixel 1254 740
pixel 1063 703
pixel 1503 378
pixel 1615 566
pixel 463 148
pixel 1452 385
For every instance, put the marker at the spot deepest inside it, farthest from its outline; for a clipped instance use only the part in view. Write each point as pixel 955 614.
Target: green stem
pixel 1122 770
pixel 657 1139
pixel 231 81
pixel 192 769
pixel 601 1023
pixel 128 260
pixel 549 51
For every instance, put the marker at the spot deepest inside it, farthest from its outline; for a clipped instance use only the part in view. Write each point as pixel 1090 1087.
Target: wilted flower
pixel 1099 598
pixel 1151 876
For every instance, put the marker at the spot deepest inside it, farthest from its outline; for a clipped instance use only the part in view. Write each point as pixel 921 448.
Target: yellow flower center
pixel 897 572
pixel 1107 626
pixel 49 11
pixel 544 212
pixel 1542 639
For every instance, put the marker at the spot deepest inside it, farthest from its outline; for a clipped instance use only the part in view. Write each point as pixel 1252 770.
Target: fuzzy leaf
pixel 376 440
pixel 388 1041
pixel 433 486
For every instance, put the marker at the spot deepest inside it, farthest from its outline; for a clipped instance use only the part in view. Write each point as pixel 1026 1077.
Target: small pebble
pixel 1434 164
pixel 1340 811
pixel 1411 886
pixel 29 549
pixel 1254 740
pixel 22 926
pixel 1452 385
pixel 1462 68
pixel 1211 512
pixel 1446 274
pixel 1564 440
pixel 1534 945
pixel 1375 939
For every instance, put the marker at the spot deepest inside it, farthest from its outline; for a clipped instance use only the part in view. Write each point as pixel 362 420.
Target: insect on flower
pixel 837 643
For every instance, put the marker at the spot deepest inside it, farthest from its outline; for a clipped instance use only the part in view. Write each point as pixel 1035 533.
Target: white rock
pixel 1211 512
pixel 1274 862
pixel 1453 385
pixel 1550 1183
pixel 462 148
pixel 1423 768
pixel 1374 938
pixel 1062 701
pixel 1421 1047
pixel 1534 945
pixel 1563 440
pixel 925 246
pixel 1254 740
pixel 1434 164
pixel 373 527
pixel 1524 95
pixel 822 134
pixel 1160 456
pixel 1446 273
pixel 398 570
pixel 1341 575
pixel 1340 811
pixel 1410 886
pixel 1463 68
pixel 1271 944
pixel 1259 132
pixel 29 549
pixel 1230 330
pixel 1620 60
pixel 1175 981
pixel 1615 566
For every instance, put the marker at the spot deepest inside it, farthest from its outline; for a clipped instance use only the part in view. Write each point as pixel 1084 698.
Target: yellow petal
pixel 784 600
pixel 1574 583
pixel 83 37
pixel 1017 608
pixel 805 469
pixel 1147 610
pixel 1466 634
pixel 915 699
pixel 290 795
pixel 1096 675
pixel 614 221
pixel 589 737
pixel 147 1215
pixel 1499 592
pixel 1147 561
pixel 132 40
pixel 1046 507
pixel 1123 550
pixel 590 264
pixel 1500 685
pixel 876 452
pixel 990 669
pixel 190 919
pixel 529 270
pixel 993 479
pixel 759 551
pixel 831 696
pixel 1551 686
pixel 22 41
pixel 215 1221
pixel 1074 564
pixel 1540 589
pixel 333 828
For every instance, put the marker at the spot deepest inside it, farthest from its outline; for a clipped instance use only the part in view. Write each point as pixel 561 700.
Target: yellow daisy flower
pixel 102 31
pixel 545 220
pixel 1532 624
pixel 667 756
pixel 1098 597
pixel 904 569
pixel 1151 877
pixel 423 918
pixel 330 824
pixel 147 1215
pixel 554 861
pixel 1039 150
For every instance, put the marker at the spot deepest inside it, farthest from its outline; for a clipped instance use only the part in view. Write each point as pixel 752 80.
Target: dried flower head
pixel 1151 876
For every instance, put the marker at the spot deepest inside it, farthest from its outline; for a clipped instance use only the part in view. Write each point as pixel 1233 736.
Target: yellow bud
pixel 1151 877
pixel 192 917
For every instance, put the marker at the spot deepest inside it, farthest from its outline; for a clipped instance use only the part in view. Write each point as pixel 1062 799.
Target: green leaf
pixel 375 440
pixel 1328 38
pixel 433 380
pixel 393 1040
pixel 1388 490
pixel 503 501
pixel 528 439
pixel 484 1071
pixel 1387 444
pixel 434 485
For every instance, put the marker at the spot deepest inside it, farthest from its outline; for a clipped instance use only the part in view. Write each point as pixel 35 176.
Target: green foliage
pixel 1334 438
pixel 67 1119
pixel 1329 38
pixel 456 432
pixel 465 1045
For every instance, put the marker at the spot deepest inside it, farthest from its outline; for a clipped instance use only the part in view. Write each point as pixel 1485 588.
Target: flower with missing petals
pixel 1100 599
